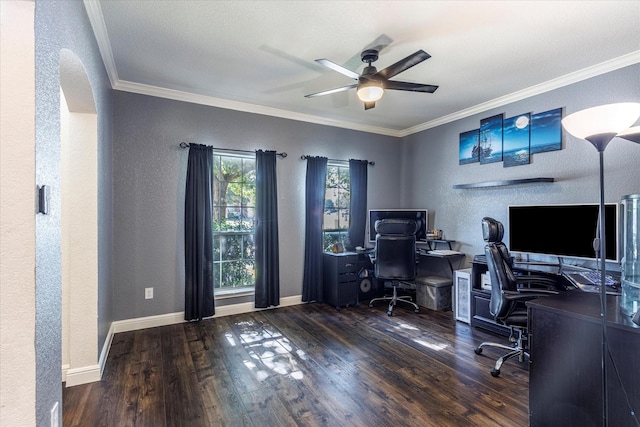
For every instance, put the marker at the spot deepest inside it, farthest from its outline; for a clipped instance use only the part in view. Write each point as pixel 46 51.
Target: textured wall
pixel 64 24
pixel 417 171
pixel 149 180
pixel 17 215
pixel 432 163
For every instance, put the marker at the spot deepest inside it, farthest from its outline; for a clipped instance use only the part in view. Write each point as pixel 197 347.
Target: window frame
pixel 218 261
pixel 341 234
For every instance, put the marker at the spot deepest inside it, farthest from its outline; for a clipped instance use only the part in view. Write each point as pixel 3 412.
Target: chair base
pixel 515 350
pixel 394 299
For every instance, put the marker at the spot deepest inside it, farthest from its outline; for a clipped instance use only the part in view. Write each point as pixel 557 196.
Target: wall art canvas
pixel 515 144
pixel 469 150
pixel 491 139
pixel 546 131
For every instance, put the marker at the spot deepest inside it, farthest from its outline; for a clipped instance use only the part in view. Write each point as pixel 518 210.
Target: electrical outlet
pixel 55 422
pixel 148 293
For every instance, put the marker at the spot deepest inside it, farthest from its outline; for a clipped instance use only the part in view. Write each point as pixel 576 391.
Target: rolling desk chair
pixel 509 293
pixel 394 259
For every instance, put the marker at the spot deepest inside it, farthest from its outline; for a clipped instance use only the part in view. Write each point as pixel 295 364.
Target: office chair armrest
pixel 527 294
pixel 541 292
pixel 538 282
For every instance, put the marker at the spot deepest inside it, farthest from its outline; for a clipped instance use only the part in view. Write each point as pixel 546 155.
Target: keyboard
pixel 595 278
pixel 589 281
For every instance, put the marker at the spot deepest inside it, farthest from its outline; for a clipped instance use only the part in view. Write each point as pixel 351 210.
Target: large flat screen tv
pixel 420 216
pixel 562 230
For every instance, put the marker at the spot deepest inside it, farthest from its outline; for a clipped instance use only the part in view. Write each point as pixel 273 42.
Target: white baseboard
pixel 88 374
pixel 83 375
pixel 175 318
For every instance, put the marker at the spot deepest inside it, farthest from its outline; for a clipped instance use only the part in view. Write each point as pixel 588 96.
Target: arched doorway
pixel 79 222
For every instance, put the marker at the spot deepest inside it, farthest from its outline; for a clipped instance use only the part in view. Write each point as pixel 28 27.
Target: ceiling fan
pixel 372 83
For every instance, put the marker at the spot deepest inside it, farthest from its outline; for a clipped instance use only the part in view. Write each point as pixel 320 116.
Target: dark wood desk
pixel 565 376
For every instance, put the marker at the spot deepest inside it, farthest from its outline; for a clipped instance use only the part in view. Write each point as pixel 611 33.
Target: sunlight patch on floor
pixel 407 326
pixel 432 346
pixel 270 352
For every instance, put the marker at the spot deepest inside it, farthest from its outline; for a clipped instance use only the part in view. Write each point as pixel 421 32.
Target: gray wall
pixel 432 164
pixel 149 181
pixel 149 175
pixel 64 24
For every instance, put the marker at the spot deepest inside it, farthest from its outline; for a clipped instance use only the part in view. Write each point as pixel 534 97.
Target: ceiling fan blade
pixel 330 91
pixel 369 105
pixel 404 64
pixel 380 43
pixel 338 68
pixel 412 87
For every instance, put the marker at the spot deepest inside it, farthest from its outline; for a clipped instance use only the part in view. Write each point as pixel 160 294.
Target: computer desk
pixel 565 376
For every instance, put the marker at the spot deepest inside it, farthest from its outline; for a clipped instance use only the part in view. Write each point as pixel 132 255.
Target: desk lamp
pixel 599 125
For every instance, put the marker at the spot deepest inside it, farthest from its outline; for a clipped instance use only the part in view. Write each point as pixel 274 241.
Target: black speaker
pixel 367 286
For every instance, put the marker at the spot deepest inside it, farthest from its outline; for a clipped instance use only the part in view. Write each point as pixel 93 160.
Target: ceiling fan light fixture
pixel 370 91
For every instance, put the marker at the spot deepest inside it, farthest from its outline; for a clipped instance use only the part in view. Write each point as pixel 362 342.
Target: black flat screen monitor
pixel 562 230
pixel 420 216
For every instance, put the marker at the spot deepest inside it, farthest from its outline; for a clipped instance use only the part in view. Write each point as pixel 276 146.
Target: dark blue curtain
pixel 267 292
pixel 314 211
pixel 198 235
pixel 358 204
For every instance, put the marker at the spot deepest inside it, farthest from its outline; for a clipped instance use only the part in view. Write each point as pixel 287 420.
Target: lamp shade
pixel 370 91
pixel 631 134
pixel 599 125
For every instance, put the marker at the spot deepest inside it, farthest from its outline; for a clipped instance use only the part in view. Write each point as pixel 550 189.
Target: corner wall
pixel 64 25
pixel 149 184
pixel 17 215
pixel 431 164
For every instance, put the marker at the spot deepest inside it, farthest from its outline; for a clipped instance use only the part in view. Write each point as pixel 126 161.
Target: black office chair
pixel 509 294
pixel 394 259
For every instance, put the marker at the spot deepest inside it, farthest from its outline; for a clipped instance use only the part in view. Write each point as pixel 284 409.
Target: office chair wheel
pixel 389 313
pixel 417 310
pixel 495 373
pixel 478 350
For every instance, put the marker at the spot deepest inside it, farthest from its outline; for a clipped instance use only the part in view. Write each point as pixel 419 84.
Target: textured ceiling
pixel 258 56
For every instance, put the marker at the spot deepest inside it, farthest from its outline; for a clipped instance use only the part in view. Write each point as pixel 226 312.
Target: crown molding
pixel 94 12
pixel 99 29
pixel 577 76
pixel 246 107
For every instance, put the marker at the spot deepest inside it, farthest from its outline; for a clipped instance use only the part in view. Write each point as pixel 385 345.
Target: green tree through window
pixel 336 205
pixel 234 202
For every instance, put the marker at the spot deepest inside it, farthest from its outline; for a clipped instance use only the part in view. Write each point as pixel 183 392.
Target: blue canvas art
pixel 469 150
pixel 546 131
pixel 491 139
pixel 515 144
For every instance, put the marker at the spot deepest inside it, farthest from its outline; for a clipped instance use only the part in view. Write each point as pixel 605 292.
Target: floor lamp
pixel 599 125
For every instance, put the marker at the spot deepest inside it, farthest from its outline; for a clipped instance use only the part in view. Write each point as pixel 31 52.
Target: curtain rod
pixel 186 145
pixel 305 157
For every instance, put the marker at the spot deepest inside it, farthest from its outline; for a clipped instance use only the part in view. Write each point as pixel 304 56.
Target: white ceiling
pixel 258 56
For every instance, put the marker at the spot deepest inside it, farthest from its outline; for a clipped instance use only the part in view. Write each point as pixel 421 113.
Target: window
pixel 336 205
pixel 234 202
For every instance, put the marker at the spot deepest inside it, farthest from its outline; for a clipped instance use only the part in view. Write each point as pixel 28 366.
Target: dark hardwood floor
pixel 304 365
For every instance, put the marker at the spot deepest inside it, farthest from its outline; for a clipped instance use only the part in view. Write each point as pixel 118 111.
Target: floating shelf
pixel 503 183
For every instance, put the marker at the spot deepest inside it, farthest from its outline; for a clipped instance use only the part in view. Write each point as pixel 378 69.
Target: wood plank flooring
pixel 305 365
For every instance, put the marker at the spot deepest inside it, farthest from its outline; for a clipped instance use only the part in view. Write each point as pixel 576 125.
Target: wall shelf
pixel 503 183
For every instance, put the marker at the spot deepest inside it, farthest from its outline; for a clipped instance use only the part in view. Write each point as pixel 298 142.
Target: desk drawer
pixel 348 264
pixel 341 279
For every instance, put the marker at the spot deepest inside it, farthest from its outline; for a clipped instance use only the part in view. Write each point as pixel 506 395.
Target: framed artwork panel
pixel 546 131
pixel 490 139
pixel 515 145
pixel 469 150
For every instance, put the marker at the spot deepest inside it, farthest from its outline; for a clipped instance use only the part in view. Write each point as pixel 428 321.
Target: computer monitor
pixel 564 230
pixel 420 216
